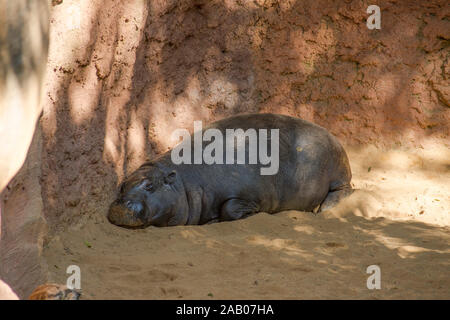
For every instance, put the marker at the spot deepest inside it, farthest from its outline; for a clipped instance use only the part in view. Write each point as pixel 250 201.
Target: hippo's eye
pixel 147 185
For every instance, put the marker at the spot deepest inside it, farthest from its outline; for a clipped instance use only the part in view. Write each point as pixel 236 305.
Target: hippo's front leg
pixel 234 209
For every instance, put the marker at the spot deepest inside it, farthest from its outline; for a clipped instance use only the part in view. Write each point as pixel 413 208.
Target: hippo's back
pixel 311 161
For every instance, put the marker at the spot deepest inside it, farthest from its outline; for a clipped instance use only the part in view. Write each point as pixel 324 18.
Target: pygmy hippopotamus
pixel 310 172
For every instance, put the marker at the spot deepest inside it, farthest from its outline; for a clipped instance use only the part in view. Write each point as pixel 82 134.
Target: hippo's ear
pixel 170 177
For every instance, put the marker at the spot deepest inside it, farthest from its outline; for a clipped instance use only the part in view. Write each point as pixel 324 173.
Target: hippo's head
pixel 150 196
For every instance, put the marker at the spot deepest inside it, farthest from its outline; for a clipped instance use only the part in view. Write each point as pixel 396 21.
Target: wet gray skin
pixel 314 173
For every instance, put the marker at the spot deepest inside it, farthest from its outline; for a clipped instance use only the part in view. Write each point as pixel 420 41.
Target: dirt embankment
pixel 123 75
pixel 132 72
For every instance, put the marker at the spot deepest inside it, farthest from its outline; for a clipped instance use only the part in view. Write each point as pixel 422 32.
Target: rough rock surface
pixel 129 73
pixel 124 74
pixel 23 226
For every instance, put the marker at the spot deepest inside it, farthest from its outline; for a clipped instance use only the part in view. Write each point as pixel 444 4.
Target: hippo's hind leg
pixel 234 209
pixel 334 196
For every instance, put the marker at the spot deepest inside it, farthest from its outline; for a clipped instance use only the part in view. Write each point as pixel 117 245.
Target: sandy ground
pixel 398 220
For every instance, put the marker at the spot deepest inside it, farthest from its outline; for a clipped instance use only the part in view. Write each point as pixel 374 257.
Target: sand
pixel 398 219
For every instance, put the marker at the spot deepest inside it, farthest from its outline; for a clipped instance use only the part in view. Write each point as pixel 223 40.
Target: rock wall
pixel 126 74
pixel 24 31
pixel 23 227
pixel 123 75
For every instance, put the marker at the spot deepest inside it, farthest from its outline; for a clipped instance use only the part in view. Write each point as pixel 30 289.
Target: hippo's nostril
pixel 134 206
pixel 126 213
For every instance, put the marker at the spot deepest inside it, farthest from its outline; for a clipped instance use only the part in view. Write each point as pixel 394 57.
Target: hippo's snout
pixel 126 214
pixel 134 206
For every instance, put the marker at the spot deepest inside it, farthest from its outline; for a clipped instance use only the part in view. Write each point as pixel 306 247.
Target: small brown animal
pixel 52 291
